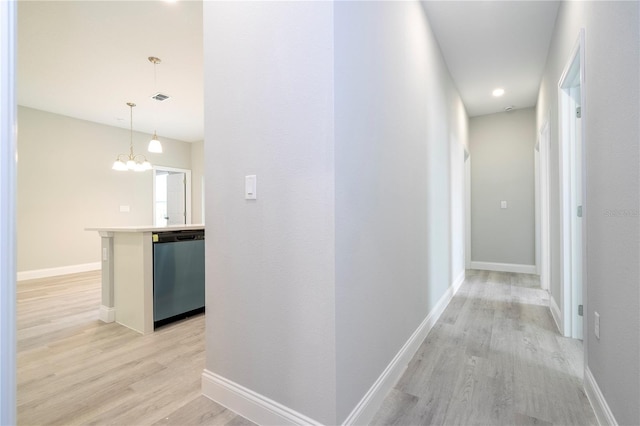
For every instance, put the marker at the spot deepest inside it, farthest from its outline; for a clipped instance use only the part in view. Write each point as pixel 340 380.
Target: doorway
pixel 571 107
pixel 171 196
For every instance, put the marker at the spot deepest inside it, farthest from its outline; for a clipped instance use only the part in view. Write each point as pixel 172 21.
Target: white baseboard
pixel 62 270
pixel 249 404
pixel 107 314
pixel 596 398
pixel 264 411
pixel 369 405
pixel 457 283
pixel 556 313
pixel 504 267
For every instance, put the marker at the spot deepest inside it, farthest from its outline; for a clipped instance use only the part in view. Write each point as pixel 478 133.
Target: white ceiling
pixel 86 59
pixel 491 44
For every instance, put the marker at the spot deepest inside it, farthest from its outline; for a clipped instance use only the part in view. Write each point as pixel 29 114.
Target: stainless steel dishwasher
pixel 178 275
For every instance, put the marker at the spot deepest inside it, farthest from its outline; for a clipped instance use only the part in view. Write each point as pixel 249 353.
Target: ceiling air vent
pixel 160 97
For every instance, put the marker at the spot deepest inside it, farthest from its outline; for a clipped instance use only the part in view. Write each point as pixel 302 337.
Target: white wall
pixel 270 262
pixel 612 201
pixel 398 117
pixel 502 153
pixel 197 181
pixel 346 113
pixel 57 201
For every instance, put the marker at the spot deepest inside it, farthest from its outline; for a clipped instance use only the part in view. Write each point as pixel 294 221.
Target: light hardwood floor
pixel 75 369
pixel 494 357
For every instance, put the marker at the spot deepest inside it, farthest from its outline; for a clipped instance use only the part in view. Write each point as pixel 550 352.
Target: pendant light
pixel 154 143
pixel 132 161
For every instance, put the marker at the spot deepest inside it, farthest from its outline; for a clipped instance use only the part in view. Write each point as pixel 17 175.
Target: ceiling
pixel 491 44
pixel 87 59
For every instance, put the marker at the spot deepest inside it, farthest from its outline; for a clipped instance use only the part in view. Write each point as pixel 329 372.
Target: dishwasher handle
pixel 185 237
pixel 177 236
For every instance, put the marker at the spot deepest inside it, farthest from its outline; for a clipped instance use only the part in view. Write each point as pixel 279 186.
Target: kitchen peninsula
pixel 128 272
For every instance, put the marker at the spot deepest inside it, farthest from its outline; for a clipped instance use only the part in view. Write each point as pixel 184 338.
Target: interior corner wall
pixel 57 200
pixel 270 264
pixel 611 112
pixel 502 150
pixel 397 113
pixel 197 182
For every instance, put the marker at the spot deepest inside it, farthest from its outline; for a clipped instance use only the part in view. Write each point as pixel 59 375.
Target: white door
pixel 171 196
pixel 176 198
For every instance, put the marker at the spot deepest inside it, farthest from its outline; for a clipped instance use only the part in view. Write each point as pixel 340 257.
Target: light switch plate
pixel 125 209
pixel 503 204
pixel 250 187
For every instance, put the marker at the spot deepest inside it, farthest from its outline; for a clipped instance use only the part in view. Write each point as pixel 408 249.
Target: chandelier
pixel 137 163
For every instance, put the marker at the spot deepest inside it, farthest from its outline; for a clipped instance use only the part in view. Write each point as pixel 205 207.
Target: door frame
pixel 574 70
pixel 467 208
pixel 543 253
pixel 8 189
pixel 187 190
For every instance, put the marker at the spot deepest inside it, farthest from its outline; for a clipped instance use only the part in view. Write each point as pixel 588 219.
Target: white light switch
pixel 503 204
pixel 250 187
pixel 124 209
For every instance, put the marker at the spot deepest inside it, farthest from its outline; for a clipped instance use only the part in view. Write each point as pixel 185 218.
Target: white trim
pixel 107 314
pixel 555 313
pixel 543 207
pixel 467 209
pixel 264 411
pixel 61 270
pixel 249 404
pixel 573 283
pixel 457 283
pixel 536 180
pixel 8 138
pixel 369 405
pixel 504 267
pixel 598 402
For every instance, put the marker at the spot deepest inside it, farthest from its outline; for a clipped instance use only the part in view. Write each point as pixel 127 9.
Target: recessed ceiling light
pixel 498 92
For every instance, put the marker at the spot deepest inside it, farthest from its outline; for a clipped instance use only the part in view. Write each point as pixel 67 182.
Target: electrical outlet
pixel 596 328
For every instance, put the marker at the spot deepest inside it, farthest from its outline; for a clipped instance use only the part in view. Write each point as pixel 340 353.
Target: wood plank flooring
pixel 74 369
pixel 493 358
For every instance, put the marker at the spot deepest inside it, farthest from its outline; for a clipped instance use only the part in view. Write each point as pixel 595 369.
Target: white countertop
pixel 147 228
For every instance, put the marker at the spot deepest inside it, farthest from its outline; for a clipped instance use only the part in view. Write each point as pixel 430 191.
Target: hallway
pixel 494 357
